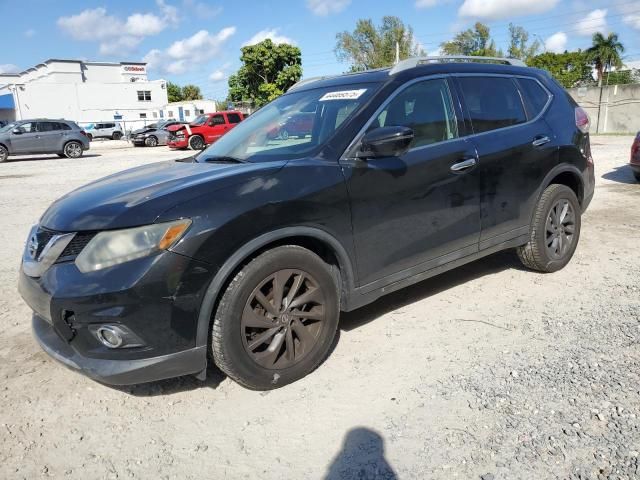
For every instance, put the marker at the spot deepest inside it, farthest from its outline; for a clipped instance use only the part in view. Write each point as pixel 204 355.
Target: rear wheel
pixel 4 154
pixel 73 149
pixel 151 141
pixel 196 142
pixel 116 135
pixel 284 134
pixel 555 230
pixel 277 320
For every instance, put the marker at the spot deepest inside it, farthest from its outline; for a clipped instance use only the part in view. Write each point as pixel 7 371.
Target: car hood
pixel 143 130
pixel 140 195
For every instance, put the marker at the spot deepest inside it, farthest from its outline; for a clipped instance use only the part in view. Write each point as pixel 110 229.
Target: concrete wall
pixel 618 112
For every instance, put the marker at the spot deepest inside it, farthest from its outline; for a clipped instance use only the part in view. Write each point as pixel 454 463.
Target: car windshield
pixel 9 126
pixel 291 126
pixel 200 120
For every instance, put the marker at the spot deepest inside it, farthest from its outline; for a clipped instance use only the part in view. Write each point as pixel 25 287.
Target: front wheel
pixel 555 231
pixel 196 142
pixel 73 150
pixel 4 154
pixel 151 141
pixel 277 320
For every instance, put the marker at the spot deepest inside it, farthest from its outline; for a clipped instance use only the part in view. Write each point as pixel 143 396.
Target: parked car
pixel 26 137
pixel 204 130
pixel 634 163
pixel 247 252
pixel 154 134
pixel 111 130
pixel 2 123
pixel 298 125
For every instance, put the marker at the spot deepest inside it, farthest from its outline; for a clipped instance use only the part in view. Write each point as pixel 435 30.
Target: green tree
pixel 174 92
pixel 369 46
pixel 191 92
pixel 475 41
pixel 267 71
pixel 571 69
pixel 605 53
pixel 519 46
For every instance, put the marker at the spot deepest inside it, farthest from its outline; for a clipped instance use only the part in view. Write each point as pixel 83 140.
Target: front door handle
pixel 540 141
pixel 463 166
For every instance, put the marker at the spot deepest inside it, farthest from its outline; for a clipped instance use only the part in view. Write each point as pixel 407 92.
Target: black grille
pixel 76 245
pixel 43 235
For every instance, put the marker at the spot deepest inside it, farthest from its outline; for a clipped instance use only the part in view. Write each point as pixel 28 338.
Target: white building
pixel 86 92
pixel 188 110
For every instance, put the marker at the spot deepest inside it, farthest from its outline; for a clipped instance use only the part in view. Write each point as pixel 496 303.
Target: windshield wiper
pixel 221 159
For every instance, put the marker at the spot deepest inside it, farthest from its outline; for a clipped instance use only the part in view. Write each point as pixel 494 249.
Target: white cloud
pixel 556 43
pixel 29 33
pixel 595 22
pixel 500 9
pixel 327 7
pixel 115 34
pixel 217 76
pixel 186 54
pixel 271 34
pixel 426 3
pixel 8 68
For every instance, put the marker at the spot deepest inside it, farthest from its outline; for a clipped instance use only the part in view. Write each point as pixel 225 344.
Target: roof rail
pixel 415 61
pixel 307 81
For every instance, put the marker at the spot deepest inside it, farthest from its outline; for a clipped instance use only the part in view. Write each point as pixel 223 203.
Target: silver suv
pixel 26 137
pixel 111 130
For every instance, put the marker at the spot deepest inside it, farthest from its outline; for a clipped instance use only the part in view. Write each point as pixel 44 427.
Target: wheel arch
pixel 565 174
pixel 318 241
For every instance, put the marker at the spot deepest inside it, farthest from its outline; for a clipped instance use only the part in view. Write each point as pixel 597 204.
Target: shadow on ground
pixel 622 174
pixel 48 157
pixel 361 457
pixel 487 266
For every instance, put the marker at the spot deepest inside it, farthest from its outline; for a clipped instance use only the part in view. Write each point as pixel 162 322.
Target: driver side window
pixel 27 128
pixel 425 107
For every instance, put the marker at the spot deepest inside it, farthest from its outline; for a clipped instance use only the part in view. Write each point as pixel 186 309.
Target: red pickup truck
pixel 204 130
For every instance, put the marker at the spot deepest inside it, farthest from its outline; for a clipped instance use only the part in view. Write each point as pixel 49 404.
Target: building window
pixel 187 113
pixel 170 114
pixel 201 112
pixel 143 115
pixel 144 95
pixel 155 114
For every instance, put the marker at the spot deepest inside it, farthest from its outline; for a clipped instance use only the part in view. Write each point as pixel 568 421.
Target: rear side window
pixel 535 97
pixel 233 118
pixel 493 102
pixel 216 120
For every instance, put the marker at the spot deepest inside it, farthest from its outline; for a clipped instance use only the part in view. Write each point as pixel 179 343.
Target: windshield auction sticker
pixel 344 95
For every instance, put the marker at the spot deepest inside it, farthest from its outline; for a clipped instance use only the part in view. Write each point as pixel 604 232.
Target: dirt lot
pixel 489 371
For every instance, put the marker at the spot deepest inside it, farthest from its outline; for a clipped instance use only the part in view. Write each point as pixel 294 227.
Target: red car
pixel 204 130
pixel 635 157
pixel 298 125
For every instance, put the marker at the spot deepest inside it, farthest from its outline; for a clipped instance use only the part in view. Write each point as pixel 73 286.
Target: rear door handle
pixel 540 141
pixel 464 165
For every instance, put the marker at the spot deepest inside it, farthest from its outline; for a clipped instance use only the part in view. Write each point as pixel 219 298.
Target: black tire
pixel 4 154
pixel 151 141
pixel 637 175
pixel 196 142
pixel 229 341
pixel 551 247
pixel 73 149
pixel 116 135
pixel 90 137
pixel 284 134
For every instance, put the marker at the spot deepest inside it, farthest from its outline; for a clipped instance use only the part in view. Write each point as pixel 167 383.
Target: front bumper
pixel 156 298
pixel 118 372
pixel 178 143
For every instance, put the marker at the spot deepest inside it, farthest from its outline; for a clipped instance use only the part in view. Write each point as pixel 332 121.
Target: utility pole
pixel 397 52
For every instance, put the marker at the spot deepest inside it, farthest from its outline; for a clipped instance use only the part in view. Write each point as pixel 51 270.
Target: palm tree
pixel 605 53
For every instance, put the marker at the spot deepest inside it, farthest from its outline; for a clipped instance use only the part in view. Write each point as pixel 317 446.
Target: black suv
pixel 246 253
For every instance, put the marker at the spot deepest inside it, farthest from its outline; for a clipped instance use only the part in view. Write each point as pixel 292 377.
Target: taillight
pixel 635 148
pixel 582 120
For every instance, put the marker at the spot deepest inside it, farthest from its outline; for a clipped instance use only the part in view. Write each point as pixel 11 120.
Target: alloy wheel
pixel 283 318
pixel 73 150
pixel 560 229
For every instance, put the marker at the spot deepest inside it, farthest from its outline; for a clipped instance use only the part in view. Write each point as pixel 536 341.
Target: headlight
pixel 118 246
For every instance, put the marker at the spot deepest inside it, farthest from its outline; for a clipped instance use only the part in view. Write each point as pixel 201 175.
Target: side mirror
pixel 17 131
pixel 385 142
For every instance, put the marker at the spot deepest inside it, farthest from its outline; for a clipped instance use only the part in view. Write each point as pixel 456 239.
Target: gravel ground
pixel 486 372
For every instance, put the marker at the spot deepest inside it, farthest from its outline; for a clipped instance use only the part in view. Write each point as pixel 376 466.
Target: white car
pixel 110 130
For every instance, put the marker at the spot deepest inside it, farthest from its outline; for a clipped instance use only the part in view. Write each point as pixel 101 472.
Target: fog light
pixel 109 337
